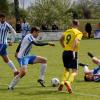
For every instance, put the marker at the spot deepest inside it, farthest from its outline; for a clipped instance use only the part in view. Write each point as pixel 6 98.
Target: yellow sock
pixel 71 77
pixel 65 76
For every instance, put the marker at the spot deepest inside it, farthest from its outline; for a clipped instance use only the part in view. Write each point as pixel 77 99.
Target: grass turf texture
pixel 29 89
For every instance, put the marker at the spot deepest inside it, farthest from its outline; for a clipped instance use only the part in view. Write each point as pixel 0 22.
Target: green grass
pixel 29 89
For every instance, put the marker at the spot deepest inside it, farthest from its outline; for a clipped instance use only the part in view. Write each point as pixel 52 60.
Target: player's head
pixel 35 31
pixel 88 77
pixel 2 18
pixel 24 20
pixel 75 23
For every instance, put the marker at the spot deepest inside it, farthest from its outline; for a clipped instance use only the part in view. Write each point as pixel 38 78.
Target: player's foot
pixel 41 82
pixel 68 86
pixel 16 73
pixel 81 64
pixel 10 88
pixel 60 87
pixel 90 55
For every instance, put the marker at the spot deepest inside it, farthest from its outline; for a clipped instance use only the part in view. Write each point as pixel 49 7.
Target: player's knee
pixel 23 73
pixel 44 60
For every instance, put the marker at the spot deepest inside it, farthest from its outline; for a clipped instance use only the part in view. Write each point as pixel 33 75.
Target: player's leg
pixel 73 66
pixel 64 77
pixel 72 75
pixel 70 80
pixel 94 59
pixel 16 79
pixel 17 50
pixel 65 58
pixel 43 62
pixel 6 59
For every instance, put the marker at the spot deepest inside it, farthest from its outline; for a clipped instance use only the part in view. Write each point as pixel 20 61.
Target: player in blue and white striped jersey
pixel 94 74
pixel 24 58
pixel 25 27
pixel 4 30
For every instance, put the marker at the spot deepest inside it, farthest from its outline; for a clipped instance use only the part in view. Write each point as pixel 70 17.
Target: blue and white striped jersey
pixel 4 30
pixel 25 29
pixel 96 71
pixel 26 45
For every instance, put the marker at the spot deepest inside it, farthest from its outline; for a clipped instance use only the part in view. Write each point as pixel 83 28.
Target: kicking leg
pixel 43 62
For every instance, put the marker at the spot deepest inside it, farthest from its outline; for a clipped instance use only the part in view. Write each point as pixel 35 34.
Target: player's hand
pixel 51 44
pixel 10 43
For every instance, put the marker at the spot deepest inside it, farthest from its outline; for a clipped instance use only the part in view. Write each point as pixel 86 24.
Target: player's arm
pixel 42 44
pixel 76 41
pixel 11 29
pixel 62 41
pixel 97 75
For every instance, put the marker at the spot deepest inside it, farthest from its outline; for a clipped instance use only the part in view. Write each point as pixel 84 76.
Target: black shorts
pixel 68 60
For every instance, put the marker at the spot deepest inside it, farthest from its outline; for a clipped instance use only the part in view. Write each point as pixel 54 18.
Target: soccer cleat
pixel 90 55
pixel 41 82
pixel 10 88
pixel 60 87
pixel 81 64
pixel 16 73
pixel 68 87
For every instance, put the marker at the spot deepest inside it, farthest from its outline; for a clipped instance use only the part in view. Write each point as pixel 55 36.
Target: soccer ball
pixel 55 82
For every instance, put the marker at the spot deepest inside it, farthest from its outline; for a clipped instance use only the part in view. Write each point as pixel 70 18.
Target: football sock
pixel 42 71
pixel 12 66
pixel 14 81
pixel 90 54
pixel 86 69
pixel 71 78
pixel 65 76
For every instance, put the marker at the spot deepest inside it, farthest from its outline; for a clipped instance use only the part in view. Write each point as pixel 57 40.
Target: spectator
pixel 54 27
pixel 18 26
pixel 25 28
pixel 44 27
pixel 88 29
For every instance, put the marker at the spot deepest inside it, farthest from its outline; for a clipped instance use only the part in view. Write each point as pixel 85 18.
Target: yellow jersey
pixel 69 37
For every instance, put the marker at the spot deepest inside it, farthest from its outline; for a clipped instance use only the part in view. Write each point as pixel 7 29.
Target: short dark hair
pixel 2 15
pixel 75 22
pixel 86 79
pixel 37 29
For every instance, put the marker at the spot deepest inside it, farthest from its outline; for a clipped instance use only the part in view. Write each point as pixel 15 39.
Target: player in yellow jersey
pixel 70 41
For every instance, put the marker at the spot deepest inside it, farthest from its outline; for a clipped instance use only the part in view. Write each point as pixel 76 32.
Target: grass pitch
pixel 29 89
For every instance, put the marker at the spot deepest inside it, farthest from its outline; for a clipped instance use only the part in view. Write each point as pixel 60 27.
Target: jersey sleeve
pixel 79 36
pixel 11 29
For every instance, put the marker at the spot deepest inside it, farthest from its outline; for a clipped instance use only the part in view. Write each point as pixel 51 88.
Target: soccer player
pixel 94 74
pixel 25 29
pixel 4 30
pixel 24 58
pixel 70 41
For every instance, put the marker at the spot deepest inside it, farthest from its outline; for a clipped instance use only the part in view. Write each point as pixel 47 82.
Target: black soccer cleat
pixel 90 55
pixel 81 64
pixel 41 82
pixel 10 88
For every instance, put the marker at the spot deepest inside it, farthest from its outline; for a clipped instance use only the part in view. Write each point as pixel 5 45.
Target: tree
pixel 16 6
pixel 4 6
pixel 50 11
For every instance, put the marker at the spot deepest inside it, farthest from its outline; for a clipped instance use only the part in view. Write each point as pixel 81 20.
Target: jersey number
pixel 68 38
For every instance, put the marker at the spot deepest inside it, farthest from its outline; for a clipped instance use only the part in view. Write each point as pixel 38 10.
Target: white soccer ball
pixel 55 82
